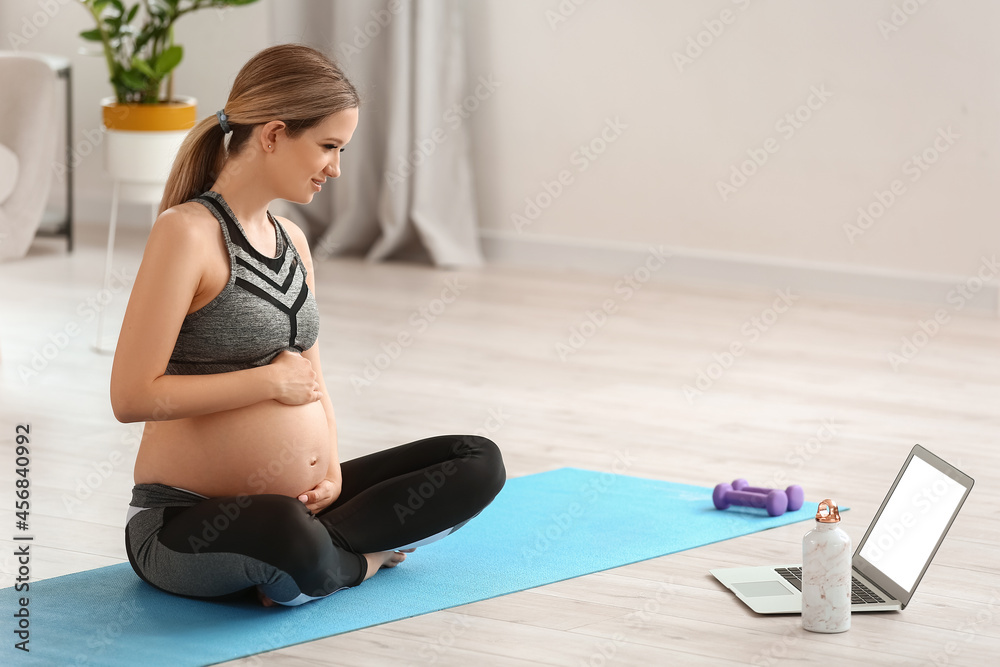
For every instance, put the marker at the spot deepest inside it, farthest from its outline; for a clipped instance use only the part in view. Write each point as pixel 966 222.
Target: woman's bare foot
pixel 382 559
pixel 264 600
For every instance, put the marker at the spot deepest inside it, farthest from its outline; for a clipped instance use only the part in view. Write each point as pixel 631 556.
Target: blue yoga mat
pixel 541 528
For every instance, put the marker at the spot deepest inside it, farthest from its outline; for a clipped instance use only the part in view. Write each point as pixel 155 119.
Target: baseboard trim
pixel 700 267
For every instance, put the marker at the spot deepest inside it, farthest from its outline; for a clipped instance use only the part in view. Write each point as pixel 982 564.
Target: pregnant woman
pixel 238 482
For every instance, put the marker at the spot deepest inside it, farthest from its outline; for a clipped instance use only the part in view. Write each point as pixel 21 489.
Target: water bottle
pixel 826 573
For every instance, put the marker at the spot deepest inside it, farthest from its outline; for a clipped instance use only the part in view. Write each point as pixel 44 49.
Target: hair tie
pixel 223 121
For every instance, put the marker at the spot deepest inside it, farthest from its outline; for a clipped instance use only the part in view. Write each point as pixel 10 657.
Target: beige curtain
pixel 406 188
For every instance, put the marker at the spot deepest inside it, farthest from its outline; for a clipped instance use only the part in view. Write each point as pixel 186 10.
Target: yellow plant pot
pixel 180 114
pixel 141 143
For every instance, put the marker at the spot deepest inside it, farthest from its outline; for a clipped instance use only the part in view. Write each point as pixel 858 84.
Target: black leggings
pixel 401 497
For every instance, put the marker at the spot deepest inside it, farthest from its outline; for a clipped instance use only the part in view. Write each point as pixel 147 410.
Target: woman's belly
pixel 267 447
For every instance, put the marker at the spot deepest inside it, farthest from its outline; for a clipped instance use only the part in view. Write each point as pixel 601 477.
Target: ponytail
pixel 198 163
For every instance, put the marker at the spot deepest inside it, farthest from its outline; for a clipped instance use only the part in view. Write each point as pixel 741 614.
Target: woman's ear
pixel 271 132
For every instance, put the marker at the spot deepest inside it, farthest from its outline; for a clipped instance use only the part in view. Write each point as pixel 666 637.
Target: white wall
pixel 686 127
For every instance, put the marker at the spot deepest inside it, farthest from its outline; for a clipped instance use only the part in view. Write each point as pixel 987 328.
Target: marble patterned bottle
pixel 826 573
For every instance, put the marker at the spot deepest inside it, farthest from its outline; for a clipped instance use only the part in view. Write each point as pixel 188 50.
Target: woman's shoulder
pixel 189 213
pixel 187 222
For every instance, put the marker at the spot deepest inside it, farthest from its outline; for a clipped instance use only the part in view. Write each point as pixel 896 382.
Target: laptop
pixel 892 556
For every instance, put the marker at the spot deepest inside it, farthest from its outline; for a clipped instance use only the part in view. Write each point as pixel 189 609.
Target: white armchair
pixel 28 143
pixel 8 172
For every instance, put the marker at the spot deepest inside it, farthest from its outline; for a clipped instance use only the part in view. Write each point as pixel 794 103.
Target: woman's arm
pixel 172 267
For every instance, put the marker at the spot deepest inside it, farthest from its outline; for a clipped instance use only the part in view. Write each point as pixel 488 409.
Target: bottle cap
pixel 832 513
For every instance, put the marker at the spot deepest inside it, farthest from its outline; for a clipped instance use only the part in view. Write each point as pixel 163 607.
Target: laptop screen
pixel 914 518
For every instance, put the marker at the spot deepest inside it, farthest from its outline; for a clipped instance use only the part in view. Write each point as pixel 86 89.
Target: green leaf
pixel 141 40
pixel 131 14
pixel 92 35
pixel 169 59
pixel 143 66
pixel 133 81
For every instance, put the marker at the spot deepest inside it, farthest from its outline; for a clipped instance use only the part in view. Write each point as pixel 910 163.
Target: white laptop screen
pixel 916 516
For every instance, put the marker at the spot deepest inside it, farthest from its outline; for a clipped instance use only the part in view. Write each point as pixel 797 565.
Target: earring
pixel 269 145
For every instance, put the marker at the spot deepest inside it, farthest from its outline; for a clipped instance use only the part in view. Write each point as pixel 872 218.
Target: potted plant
pixel 140 57
pixel 137 42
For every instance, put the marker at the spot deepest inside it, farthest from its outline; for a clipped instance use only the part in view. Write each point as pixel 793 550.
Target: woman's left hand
pixel 321 495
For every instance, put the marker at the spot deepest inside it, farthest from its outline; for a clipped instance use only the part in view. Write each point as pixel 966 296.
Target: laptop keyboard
pixel 860 593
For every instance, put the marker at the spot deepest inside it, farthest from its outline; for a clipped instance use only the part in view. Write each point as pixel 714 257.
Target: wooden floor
pixel 813 398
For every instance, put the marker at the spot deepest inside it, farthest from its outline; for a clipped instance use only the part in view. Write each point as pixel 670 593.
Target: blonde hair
pixel 290 82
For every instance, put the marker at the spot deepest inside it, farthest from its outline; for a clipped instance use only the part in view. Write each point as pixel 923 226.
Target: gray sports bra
pixel 265 307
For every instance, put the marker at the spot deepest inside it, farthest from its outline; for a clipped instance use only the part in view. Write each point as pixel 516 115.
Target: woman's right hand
pixel 294 378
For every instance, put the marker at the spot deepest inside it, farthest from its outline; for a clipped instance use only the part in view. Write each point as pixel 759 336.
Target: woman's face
pixel 303 163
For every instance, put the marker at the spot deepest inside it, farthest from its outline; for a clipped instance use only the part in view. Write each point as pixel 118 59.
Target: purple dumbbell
pixel 796 496
pixel 775 501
